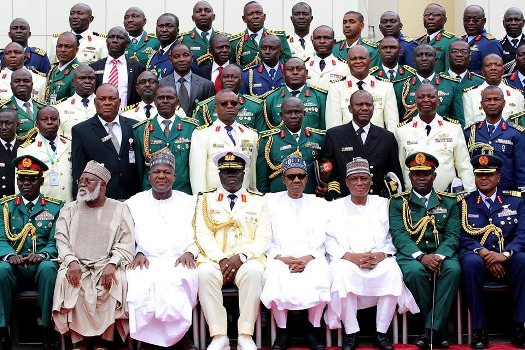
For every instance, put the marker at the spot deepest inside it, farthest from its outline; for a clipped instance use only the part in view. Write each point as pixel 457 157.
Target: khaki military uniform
pixel 334 69
pixel 138 112
pixel 91 49
pixel 72 112
pixel 39 83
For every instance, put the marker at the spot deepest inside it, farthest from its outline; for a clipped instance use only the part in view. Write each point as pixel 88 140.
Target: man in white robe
pixel 162 279
pixel 363 270
pixel 296 275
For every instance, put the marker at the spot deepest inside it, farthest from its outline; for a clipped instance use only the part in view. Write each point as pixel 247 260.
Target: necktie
pixel 428 39
pixel 303 44
pixel 134 41
pixel 295 92
pixel 360 84
pixel 218 85
pixel 113 74
pixel 322 64
pixel 359 132
pixel 232 198
pixel 296 137
pixel 253 36
pixel 53 146
pixel 147 108
pixel 458 77
pixel 166 127
pixel 78 38
pixel 426 81
pixel 85 102
pixel 391 74
pixel 272 73
pixel 229 129
pixel 161 52
pixel 515 42
pixel 114 139
pixel 29 112
pixel 29 207
pixel 489 202
pixel 8 147
pixel 184 98
pixel 428 128
pixel 425 201
pixel 204 36
pixel 491 129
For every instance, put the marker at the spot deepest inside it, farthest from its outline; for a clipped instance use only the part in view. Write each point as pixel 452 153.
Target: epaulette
pixel 75 65
pixel 257 193
pixel 446 194
pixel 28 142
pixel 403 123
pixel 267 93
pixel 410 69
pixel 448 34
pixel 370 43
pixel 517 126
pixel 512 117
pixel 450 120
pixel 397 195
pixel 190 120
pixel 34 70
pixel 421 38
pixel 407 39
pixel 250 128
pixel 469 126
pixel 253 99
pixel 209 190
pixel 478 75
pixel 152 35
pixel 373 69
pixel 341 60
pixel 66 137
pixel 338 79
pixel 40 51
pixel 469 88
pixel 489 36
pixel 276 32
pixel 181 35
pixel 56 35
pixel 4 102
pixel 42 102
pixel 270 132
pixel 130 107
pixel 512 193
pixel 448 77
pixel 204 126
pixel 54 200
pixel 206 101
pixel 462 196
pixel 318 88
pixel 59 101
pixel 236 36
pixel 7 199
pixel 136 125
pixel 515 88
pixel 100 35
pixel 316 131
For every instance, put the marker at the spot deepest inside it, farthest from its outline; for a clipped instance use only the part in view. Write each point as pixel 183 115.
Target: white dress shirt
pixel 215 70
pixel 117 129
pixel 160 119
pixel 122 69
pixel 366 128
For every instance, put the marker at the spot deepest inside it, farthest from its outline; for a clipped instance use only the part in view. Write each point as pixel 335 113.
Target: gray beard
pixel 88 196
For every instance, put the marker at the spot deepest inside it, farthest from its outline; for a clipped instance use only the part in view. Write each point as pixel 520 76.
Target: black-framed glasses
pixel 226 103
pixel 292 177
pixel 474 19
pixel 462 51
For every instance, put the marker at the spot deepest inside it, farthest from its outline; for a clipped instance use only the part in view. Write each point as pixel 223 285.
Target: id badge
pixel 53 178
pixel 52 99
pixel 132 156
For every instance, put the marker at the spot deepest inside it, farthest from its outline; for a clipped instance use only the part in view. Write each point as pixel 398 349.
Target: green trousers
pixel 416 277
pixel 42 275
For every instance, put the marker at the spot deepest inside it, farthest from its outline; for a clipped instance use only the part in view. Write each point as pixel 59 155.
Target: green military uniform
pixel 198 46
pixel 402 73
pixel 245 52
pixel 277 144
pixel 341 48
pixel 150 138
pixel 250 112
pixel 27 129
pixel 441 44
pixel 449 93
pixel 471 80
pixel 141 50
pixel 60 82
pixel 314 101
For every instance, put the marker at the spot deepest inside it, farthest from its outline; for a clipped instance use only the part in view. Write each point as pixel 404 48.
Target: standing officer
pixel 141 44
pixel 517 78
pixel 389 68
pixel 480 41
pixel 91 45
pixel 492 245
pixel 459 59
pixel 147 85
pixel 8 125
pixel 169 130
pixel 513 24
pixel 245 45
pixel 269 74
pixel 34 57
pixel 493 135
pixel 434 19
pixel 390 25
pixel 425 229
pixel 290 138
pixel 27 245
pixel 251 111
pixel 313 97
pixel 301 40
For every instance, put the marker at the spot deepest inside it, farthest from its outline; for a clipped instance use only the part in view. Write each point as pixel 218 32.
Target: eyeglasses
pixel 292 177
pixel 232 103
pixel 433 14
pixel 475 19
pixel 462 51
pixel 85 181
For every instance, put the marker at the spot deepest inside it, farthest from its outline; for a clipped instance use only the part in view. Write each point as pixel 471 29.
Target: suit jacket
pixel 205 71
pixel 7 171
pixel 200 89
pixel 88 143
pixel 341 146
pixel 134 70
pixel 509 52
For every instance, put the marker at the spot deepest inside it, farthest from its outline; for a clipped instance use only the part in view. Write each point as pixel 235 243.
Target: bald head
pixel 80 17
pixel 134 21
pixel 492 69
pixel 292 113
pixel 513 22
pixel 359 61
pixel 14 56
pixel 19 31
pixel 22 84
pixel 84 80
pixel 147 85
pixel 271 50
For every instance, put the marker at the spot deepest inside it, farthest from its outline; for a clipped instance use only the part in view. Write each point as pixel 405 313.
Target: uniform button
pixel 371 191
pixel 120 174
pixel 119 158
pixel 490 142
pixel 3 177
pixel 63 188
pixel 3 186
pixel 60 174
pixel 29 250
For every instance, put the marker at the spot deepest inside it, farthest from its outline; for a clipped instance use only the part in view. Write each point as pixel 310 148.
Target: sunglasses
pixel 292 177
pixel 226 103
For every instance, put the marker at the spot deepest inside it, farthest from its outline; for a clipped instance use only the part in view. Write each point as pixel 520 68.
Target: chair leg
pixel 340 337
pixel 195 324
pixel 469 326
pixel 130 343
pixel 395 329
pixel 258 328
pixel 328 337
pixel 62 342
pixel 405 329
pixel 460 325
pixel 202 331
pixel 273 331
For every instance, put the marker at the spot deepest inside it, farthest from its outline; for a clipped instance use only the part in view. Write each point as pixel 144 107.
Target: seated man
pixel 232 231
pixel 491 245
pixel 95 241
pixel 363 270
pixel 26 261
pixel 162 278
pixel 296 276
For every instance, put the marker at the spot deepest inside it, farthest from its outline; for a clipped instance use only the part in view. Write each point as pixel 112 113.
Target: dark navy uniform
pixel 508 143
pixel 513 79
pixel 33 58
pixel 480 47
pixel 161 65
pixel 509 52
pixel 408 45
pixel 257 81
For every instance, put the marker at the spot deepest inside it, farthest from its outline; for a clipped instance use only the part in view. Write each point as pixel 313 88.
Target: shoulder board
pixel 130 107
pixel 407 39
pixel 267 93
pixel 202 127
pixel 206 101
pixel 250 128
pixel 190 120
pixel 450 120
pixel 275 32
pixel 253 99
pixel 421 38
pixel 410 69
pixel 489 36
pixel 515 88
pixel 54 200
pixel 136 125
pixel 469 126
pixel 401 194
pixel 517 126
pixel 236 36
pixel 254 192
pixel 448 34
pixel 404 123
pixel 336 80
pixel 444 76
pixel 66 137
pixel 511 117
pixel 512 193
pixel 152 35
pixel 469 88
pixel 56 35
pixel 461 196
pixel 28 142
pixel 270 132
pixel 341 60
pixel 209 190
pixel 370 43
pixel 383 79
pixel 446 194
pixel 479 76
pixel 184 33
pixel 373 69
pixel 39 51
pixel 317 131
pixel 34 70
pixel 59 101
pixel 7 199
pixel 318 88
pixel 100 35
pixel 42 102
pixel 4 102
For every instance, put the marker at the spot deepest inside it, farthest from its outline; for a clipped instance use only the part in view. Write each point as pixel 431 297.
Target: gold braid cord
pixel 473 145
pixel 27 138
pixel 28 229
pixel 206 116
pixel 238 55
pixel 485 231
pixel 277 170
pixel 147 155
pixel 410 109
pixel 421 226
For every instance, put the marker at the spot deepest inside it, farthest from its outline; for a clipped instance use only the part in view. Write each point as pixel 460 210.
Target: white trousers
pixel 386 306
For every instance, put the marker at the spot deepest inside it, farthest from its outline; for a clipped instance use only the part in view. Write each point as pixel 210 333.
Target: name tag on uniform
pixel 2 165
pixel 473 216
pixel 99 72
pixel 438 210
pixel 25 120
pixel 245 53
pixel 347 149
pixel 155 142
pixel 218 145
pixel 282 148
pixel 505 142
pixel 195 48
pixel 412 142
pixel 53 178
pixel 257 85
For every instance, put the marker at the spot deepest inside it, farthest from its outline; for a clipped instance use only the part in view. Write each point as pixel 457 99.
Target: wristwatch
pixel 243 257
pixel 420 257
pixel 507 254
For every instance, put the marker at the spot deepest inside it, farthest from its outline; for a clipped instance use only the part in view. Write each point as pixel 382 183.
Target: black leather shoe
pixel 48 338
pixel 313 339
pixel 480 339
pixel 281 342
pixel 381 341
pixel 423 340
pixel 350 341
pixel 5 343
pixel 441 340
pixel 519 340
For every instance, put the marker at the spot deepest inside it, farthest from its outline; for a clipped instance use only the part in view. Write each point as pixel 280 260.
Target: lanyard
pixel 51 156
